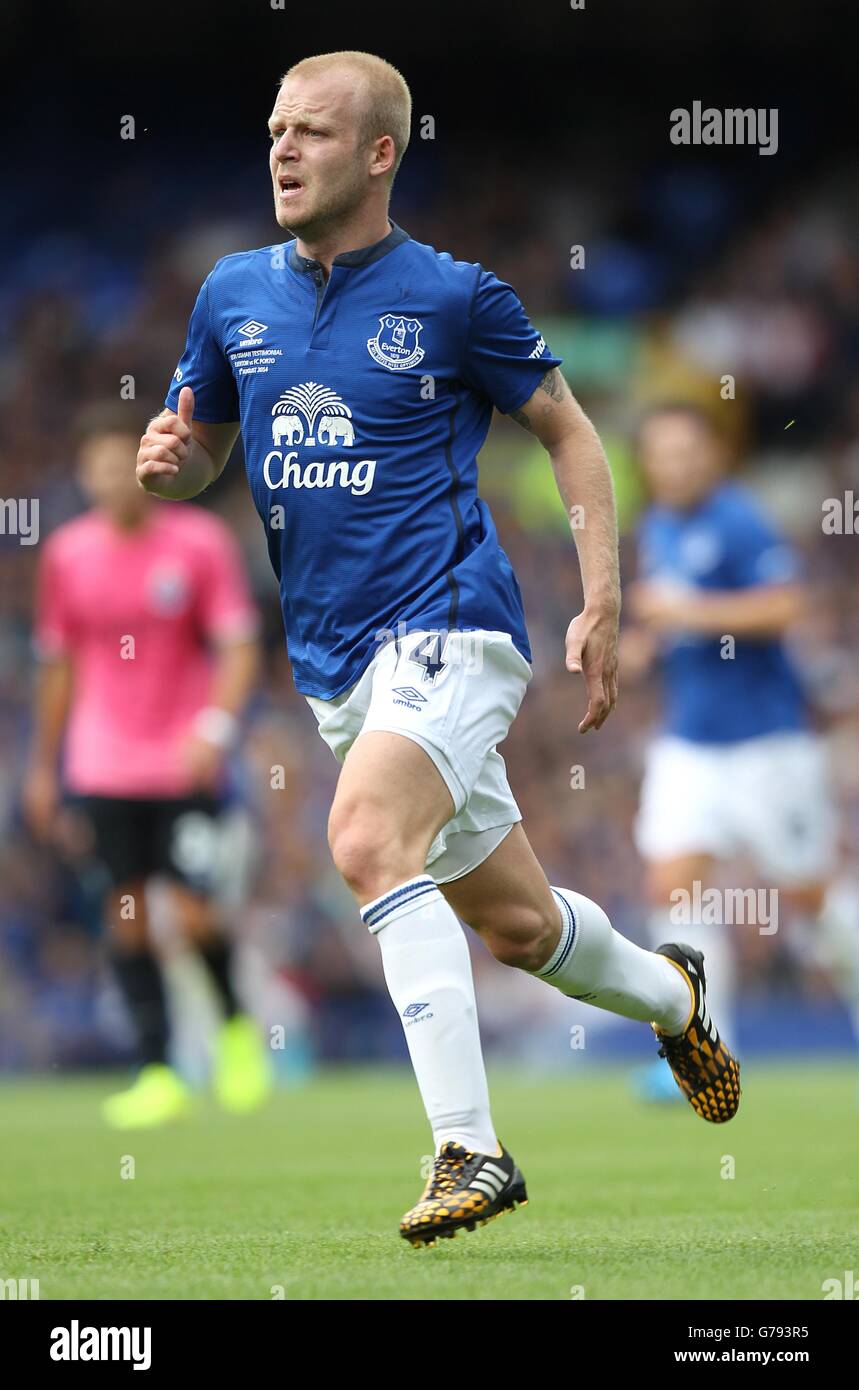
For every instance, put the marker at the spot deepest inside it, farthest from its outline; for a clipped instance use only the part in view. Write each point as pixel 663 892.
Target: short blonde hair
pixel 387 103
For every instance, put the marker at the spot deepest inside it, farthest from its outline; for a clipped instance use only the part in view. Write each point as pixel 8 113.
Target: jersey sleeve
pixel 53 624
pixel 204 368
pixel 760 553
pixel 505 357
pixel 226 610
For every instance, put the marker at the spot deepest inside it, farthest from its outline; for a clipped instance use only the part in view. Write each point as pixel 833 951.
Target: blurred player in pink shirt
pixel 146 637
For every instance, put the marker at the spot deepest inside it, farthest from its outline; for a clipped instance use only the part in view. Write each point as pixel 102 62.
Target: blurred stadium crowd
pixel 687 284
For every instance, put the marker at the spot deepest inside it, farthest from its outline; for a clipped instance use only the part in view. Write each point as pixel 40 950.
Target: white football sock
pixel 719 962
pixel 594 963
pixel 427 969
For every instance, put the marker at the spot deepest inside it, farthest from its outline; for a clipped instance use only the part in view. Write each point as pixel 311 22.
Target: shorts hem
pixel 471 865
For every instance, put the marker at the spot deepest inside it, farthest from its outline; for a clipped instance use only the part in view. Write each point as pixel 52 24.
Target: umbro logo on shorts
pixel 411 698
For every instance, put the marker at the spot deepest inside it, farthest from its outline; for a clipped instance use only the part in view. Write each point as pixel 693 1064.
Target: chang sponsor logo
pixel 314 416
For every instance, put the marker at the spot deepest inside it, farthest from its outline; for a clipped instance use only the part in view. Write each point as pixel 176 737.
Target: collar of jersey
pixel 365 256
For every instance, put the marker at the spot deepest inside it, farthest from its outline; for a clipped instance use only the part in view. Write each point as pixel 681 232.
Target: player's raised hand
pixel 165 445
pixel 592 649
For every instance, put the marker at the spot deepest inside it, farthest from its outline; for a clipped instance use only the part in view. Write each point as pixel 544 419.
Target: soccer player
pixel 736 769
pixel 146 635
pixel 362 367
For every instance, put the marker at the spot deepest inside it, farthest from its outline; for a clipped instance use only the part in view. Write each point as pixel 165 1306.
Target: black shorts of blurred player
pixel 179 840
pixel 137 839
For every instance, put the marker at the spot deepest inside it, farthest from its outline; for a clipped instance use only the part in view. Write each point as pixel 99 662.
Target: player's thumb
pixel 574 654
pixel 185 408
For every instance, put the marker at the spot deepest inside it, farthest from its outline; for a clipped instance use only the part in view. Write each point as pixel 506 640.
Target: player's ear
pixel 384 154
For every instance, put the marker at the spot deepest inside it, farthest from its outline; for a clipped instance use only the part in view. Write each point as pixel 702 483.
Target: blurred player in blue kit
pixel 737 769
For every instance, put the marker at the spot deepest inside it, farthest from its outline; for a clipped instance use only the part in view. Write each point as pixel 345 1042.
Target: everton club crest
pixel 396 344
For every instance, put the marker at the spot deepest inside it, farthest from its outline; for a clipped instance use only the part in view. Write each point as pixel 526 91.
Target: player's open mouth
pixel 289 187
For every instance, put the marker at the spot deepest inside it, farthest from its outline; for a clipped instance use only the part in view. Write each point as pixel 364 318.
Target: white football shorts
pixel 766 798
pixel 458 714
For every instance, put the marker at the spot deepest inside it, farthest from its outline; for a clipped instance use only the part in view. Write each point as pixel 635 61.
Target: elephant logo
pixel 395 345
pixel 335 429
pixel 287 427
pixel 295 413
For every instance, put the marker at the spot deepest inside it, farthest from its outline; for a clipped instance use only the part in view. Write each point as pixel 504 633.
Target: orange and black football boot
pixel 704 1068
pixel 464 1190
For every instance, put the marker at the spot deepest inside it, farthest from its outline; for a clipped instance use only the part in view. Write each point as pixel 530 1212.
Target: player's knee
pixel 369 853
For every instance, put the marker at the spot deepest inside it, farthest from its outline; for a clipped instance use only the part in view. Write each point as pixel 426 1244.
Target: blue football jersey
pixel 363 404
pixel 726 542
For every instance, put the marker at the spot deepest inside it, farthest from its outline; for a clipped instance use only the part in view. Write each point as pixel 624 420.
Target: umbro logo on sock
pixel 414 1013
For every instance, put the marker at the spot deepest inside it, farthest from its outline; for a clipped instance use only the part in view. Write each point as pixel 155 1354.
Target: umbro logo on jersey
pixel 395 345
pixel 252 329
pixel 312 415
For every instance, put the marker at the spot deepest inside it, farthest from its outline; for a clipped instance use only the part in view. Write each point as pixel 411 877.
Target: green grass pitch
pixel 625 1201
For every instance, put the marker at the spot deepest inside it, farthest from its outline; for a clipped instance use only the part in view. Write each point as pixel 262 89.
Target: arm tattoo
pixel 554 386
pixel 521 419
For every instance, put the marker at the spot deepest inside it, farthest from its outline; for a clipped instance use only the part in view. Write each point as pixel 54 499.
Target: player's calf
pixel 523 938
